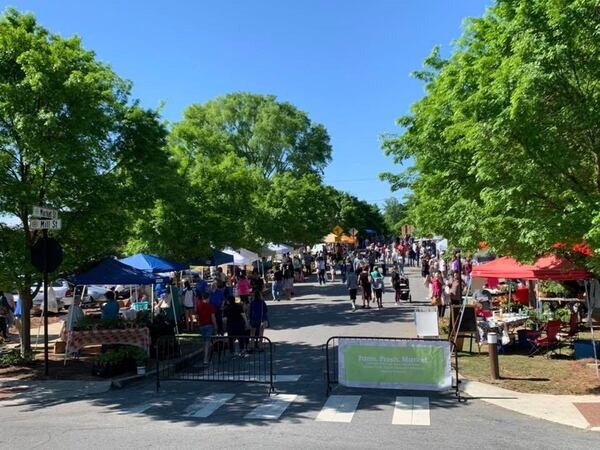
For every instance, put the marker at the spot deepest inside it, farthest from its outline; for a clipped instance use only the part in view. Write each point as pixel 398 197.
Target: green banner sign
pixel 395 364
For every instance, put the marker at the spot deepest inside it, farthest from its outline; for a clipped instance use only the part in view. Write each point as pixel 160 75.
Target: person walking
pixel 352 285
pixel 208 323
pixel 259 319
pixel 321 266
pixel 377 278
pixel 344 270
pixel 364 280
pixel 436 292
pixel 288 280
pixel 332 267
pixel 236 322
pixel 277 284
pixel 243 289
pixel 187 299
pixel 396 284
pixel 5 313
pixel 217 299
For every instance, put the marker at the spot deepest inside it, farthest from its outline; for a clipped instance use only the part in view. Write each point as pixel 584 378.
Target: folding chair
pixel 570 333
pixel 546 343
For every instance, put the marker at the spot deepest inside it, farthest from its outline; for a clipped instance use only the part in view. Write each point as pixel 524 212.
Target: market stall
pixel 151 264
pixel 551 267
pixel 108 272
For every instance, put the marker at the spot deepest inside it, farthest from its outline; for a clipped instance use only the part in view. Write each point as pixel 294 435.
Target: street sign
pixel 45 224
pixel 338 230
pixel 44 213
pixel 353 231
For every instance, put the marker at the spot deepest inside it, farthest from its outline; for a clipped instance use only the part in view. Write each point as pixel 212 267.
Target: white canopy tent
pixel 250 256
pixel 280 249
pixel 238 259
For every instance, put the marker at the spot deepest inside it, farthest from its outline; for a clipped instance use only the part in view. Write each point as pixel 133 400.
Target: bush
pixel 121 355
pixel 14 358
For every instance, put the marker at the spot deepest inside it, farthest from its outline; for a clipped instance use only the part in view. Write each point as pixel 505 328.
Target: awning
pixel 551 267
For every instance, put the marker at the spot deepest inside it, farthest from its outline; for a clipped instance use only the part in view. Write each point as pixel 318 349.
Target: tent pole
pixel 173 308
pixel 591 322
pixel 38 330
pixel 152 301
pixel 69 324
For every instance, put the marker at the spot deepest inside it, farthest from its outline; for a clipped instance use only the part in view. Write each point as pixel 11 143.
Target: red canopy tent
pixel 552 267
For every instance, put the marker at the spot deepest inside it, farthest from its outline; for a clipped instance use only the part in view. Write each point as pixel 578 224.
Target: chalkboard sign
pixel 469 320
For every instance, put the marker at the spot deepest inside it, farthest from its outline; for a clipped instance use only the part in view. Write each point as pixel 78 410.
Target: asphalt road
pixel 191 414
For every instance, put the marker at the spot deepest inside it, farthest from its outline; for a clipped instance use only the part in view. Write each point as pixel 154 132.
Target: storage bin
pixel 584 349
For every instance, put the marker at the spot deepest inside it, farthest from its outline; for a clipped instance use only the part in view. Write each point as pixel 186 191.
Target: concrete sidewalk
pixel 579 411
pixel 21 392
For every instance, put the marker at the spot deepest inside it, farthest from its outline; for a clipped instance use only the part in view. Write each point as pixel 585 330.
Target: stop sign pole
pixel 44 219
pixel 45 238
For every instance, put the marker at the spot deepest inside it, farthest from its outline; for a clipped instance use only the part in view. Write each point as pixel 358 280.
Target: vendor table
pixel 501 325
pixel 561 299
pixel 139 337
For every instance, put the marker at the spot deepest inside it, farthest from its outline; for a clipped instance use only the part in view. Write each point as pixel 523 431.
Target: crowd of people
pixel 232 303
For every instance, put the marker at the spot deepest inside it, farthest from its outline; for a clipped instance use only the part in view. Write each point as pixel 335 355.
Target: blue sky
pixel 346 63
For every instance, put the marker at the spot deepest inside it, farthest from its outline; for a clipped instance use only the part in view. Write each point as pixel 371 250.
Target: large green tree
pixel 506 142
pixel 394 215
pixel 70 139
pixel 299 209
pixel 351 212
pixel 273 136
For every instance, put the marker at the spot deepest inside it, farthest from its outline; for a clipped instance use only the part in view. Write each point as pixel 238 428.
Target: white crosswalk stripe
pixel 411 411
pixel 139 409
pixel 204 406
pixel 339 408
pixel 273 407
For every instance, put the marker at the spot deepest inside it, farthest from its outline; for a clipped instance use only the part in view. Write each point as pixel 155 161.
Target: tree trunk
pixel 26 302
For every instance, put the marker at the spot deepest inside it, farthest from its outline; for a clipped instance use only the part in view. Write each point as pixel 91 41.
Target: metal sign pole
pixel 45 232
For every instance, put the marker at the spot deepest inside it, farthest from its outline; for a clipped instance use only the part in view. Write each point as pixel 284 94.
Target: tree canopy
pixel 71 139
pixel 505 142
pixel 273 136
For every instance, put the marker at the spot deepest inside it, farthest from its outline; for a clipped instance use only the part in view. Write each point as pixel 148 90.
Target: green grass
pixel 559 374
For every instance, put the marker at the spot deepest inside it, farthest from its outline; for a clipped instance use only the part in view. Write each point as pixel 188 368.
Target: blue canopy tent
pixel 154 264
pixel 111 271
pixel 217 258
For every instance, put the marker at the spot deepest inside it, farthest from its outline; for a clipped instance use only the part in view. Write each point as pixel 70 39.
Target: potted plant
pixel 563 314
pixel 141 358
pixel 552 289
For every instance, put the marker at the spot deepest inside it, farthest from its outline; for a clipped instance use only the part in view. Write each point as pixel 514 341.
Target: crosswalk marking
pixel 273 408
pixel 205 406
pixel 411 411
pixel 143 407
pixel 339 408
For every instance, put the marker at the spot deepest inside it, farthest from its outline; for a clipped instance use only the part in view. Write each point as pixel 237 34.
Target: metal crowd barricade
pixel 332 361
pixel 182 358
